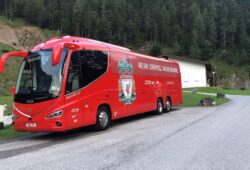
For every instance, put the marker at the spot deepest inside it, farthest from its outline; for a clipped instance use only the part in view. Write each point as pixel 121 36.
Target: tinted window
pixel 74 76
pixel 85 67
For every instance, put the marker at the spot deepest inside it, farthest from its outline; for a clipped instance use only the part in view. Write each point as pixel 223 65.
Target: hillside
pixel 21 35
pixel 195 28
pixel 214 30
pixel 7 79
pixel 217 31
pixel 17 35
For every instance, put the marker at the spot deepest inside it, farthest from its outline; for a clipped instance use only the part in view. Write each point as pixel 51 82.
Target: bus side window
pixel 85 67
pixel 73 79
pixel 93 65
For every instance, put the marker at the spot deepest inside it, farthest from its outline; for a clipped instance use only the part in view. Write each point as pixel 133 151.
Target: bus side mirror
pixel 56 54
pixel 4 58
pixel 57 51
pixel 13 91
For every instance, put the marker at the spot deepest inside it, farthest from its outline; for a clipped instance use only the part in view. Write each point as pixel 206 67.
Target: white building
pixel 194 73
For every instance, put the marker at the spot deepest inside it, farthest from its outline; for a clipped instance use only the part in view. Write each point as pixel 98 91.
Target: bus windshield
pixel 38 80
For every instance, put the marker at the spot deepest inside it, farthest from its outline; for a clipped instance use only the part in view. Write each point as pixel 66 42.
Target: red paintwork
pixel 80 107
pixel 57 50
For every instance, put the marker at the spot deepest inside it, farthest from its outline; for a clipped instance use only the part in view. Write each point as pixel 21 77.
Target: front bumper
pixel 41 125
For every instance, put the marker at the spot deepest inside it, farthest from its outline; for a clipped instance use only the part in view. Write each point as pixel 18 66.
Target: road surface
pixel 191 138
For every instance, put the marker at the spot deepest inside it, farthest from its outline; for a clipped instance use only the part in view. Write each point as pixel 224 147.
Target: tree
pixel 155 50
pixel 104 34
pixel 201 29
pixel 77 15
pixel 32 11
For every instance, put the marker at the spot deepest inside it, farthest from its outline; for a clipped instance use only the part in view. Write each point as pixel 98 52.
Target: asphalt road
pixel 191 138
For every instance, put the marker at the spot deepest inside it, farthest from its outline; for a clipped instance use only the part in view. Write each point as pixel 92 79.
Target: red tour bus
pixel 70 82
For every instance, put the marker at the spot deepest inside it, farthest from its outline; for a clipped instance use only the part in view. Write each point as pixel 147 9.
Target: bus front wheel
pixel 103 118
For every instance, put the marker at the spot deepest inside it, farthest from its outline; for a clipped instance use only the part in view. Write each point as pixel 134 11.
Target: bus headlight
pixel 55 114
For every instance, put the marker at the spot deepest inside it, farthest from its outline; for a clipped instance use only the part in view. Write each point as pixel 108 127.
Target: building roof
pixel 184 58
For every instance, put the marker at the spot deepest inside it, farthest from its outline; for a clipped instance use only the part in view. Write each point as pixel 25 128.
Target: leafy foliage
pixel 155 50
pixel 214 29
pixel 197 27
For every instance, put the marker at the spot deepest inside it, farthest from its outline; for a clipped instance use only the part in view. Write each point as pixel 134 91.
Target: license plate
pixel 32 125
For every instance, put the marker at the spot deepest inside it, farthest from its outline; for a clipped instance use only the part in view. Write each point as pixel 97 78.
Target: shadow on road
pixel 88 131
pixel 43 140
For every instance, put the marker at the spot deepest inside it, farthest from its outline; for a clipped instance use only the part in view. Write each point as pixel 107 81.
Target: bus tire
pixel 103 118
pixel 159 107
pixel 168 105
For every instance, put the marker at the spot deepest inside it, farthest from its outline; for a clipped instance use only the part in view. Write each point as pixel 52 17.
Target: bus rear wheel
pixel 103 118
pixel 168 105
pixel 159 109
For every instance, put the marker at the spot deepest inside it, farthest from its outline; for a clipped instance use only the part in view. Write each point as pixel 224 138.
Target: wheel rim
pixel 160 107
pixel 168 104
pixel 103 118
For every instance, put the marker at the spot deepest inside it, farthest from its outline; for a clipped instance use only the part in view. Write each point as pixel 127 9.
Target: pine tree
pixel 32 11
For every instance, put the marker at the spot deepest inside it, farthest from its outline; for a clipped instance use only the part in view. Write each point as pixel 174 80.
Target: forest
pixel 202 29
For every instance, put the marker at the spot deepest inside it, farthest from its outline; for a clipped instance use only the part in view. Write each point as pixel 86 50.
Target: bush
pixel 155 50
pixel 220 95
pixel 208 101
pixel 1 125
pixel 226 88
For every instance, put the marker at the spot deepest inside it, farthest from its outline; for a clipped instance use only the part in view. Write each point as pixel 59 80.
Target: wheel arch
pixel 107 105
pixel 169 97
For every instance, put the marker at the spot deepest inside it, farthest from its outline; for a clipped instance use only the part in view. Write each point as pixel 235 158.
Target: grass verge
pixel 220 90
pixel 192 100
pixel 9 133
pixel 4 48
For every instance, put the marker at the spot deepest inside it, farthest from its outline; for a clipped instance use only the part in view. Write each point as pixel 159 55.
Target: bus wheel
pixel 103 118
pixel 168 105
pixel 159 109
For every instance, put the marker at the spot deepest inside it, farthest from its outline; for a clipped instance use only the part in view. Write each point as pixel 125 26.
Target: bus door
pixel 82 89
pixel 73 92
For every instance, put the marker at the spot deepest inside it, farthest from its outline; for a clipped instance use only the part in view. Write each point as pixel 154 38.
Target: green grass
pixel 4 48
pixel 50 33
pixel 8 78
pixel 9 133
pixel 7 100
pixel 192 100
pixel 13 22
pixel 220 90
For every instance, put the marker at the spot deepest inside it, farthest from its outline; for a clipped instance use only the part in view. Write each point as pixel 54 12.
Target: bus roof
pixel 151 57
pixel 69 39
pixel 82 41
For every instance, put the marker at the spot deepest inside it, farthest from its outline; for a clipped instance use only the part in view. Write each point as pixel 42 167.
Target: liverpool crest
pixel 126 82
